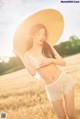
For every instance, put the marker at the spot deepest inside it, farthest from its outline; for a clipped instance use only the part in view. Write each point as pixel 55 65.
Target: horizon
pixel 13 54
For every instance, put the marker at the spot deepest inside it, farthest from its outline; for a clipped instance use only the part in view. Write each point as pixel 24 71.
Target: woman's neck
pixel 37 48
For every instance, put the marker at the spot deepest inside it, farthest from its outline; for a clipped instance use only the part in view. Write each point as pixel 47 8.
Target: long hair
pixel 46 49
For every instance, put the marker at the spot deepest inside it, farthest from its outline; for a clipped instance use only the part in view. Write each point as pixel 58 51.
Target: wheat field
pixel 24 97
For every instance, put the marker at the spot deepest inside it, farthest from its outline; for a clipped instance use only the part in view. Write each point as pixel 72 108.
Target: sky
pixel 13 12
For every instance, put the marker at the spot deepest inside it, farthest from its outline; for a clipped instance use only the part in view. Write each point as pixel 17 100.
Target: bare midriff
pixel 49 73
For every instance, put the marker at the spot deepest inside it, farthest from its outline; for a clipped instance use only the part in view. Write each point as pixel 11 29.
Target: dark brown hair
pixel 46 50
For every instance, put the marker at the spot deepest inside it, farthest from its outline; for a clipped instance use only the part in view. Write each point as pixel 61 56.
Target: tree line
pixel 70 47
pixel 67 48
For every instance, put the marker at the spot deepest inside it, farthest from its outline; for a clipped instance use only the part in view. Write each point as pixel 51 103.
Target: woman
pixel 43 59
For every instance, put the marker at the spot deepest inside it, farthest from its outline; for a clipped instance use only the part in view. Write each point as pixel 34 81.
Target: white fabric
pixel 61 86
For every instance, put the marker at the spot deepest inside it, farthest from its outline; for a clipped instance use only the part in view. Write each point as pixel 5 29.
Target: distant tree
pixel 70 47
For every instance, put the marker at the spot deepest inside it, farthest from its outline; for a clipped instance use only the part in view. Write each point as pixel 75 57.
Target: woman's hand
pixel 40 63
pixel 46 61
pixel 60 62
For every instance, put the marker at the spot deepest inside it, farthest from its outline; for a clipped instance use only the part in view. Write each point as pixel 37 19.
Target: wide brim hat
pixel 50 18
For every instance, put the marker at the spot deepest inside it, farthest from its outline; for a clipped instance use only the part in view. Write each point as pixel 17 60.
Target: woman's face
pixel 40 36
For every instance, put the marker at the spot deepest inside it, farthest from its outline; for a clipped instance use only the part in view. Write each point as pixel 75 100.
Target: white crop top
pixel 34 61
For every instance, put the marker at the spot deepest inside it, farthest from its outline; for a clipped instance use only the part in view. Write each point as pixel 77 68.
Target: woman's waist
pixel 49 77
pixel 53 78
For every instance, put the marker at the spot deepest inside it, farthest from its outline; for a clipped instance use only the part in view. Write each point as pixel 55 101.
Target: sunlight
pixel 0 60
pixel 6 49
pixel 14 12
pixel 6 53
pixel 4 59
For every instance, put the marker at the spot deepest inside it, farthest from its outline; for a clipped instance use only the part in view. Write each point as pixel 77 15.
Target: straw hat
pixel 50 18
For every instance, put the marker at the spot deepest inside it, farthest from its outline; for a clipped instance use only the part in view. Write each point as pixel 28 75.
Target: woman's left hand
pixel 46 61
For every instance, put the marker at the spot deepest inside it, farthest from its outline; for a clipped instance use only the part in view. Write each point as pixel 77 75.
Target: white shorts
pixel 61 86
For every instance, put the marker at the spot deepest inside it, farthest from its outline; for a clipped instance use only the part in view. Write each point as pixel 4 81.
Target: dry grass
pixel 24 97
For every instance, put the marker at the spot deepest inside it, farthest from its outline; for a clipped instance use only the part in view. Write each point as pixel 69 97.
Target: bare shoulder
pixel 27 53
pixel 53 48
pixel 57 55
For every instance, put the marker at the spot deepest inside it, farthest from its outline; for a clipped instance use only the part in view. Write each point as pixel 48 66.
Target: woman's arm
pixel 31 69
pixel 26 63
pixel 59 60
pixel 46 61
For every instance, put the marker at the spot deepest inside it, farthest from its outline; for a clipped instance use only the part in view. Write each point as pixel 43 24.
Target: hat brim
pixel 50 18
